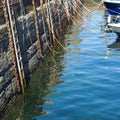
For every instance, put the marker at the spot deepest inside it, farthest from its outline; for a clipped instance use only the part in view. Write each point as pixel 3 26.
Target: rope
pixel 87 8
pixel 59 18
pixel 51 20
pixel 43 13
pixel 51 28
pixel 49 25
pixel 81 15
pixel 98 4
pixel 75 20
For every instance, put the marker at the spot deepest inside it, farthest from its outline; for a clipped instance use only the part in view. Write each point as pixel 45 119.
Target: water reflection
pixel 115 45
pixel 31 104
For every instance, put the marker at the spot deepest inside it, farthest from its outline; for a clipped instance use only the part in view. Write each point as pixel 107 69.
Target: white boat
pixel 115 27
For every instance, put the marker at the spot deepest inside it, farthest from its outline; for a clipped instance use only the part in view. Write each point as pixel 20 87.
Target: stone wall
pixel 28 46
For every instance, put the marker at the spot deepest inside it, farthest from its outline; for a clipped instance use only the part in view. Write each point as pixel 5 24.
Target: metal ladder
pixel 18 55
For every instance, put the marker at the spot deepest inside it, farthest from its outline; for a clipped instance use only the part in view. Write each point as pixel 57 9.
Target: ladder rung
pixel 22 68
pixel 20 59
pixel 18 49
pixel 16 42
pixel 14 27
pixel 15 32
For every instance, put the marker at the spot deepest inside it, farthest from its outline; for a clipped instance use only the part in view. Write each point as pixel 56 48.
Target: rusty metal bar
pixel 37 29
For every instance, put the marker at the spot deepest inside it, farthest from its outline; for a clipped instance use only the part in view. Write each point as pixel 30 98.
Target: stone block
pixel 9 91
pixel 4 64
pixel 9 75
pixel 3 101
pixel 14 86
pixel 32 50
pixel 33 62
pixel 2 82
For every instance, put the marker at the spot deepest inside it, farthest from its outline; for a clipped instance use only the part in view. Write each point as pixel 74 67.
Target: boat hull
pixel 112 8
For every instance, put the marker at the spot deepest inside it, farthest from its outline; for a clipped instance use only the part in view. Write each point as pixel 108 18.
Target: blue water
pixel 80 83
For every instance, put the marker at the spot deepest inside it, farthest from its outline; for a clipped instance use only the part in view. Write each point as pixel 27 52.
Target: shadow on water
pixel 115 45
pixel 25 107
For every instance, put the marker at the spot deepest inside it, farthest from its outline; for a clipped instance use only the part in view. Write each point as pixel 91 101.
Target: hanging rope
pixel 51 21
pixel 11 44
pixel 67 10
pixel 98 4
pixel 44 28
pixel 74 20
pixel 37 29
pixel 80 15
pixel 76 8
pixel 49 25
pixel 59 18
pixel 88 8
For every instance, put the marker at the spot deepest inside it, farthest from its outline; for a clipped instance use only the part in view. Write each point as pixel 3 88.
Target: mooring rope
pixel 74 20
pixel 98 4
pixel 52 30
pixel 88 21
pixel 50 24
pixel 79 14
pixel 87 9
pixel 71 16
pixel 43 20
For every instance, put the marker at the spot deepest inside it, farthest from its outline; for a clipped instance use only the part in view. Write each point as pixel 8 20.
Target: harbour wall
pixel 28 44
